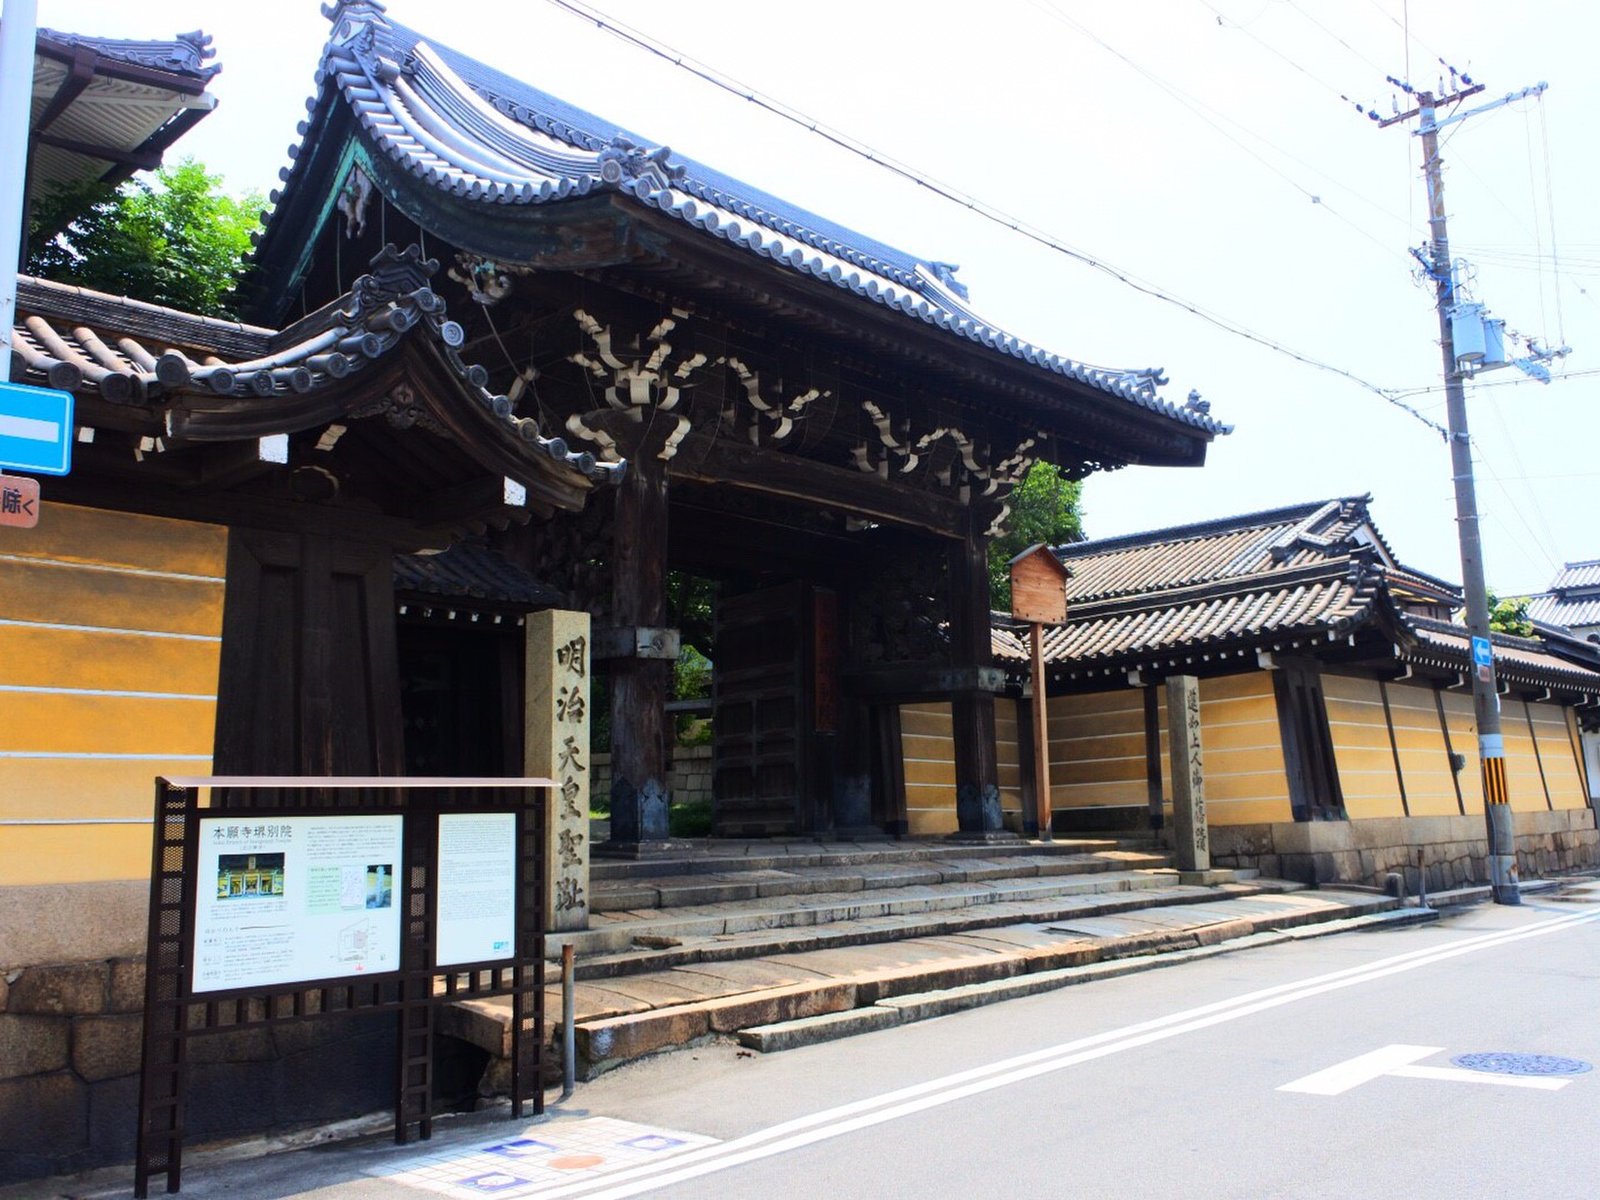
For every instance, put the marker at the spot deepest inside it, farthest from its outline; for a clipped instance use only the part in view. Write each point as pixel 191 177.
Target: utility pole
pixel 1485 689
pixel 17 32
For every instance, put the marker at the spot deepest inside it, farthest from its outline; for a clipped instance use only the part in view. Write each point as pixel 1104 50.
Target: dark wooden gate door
pixel 1314 791
pixel 762 704
pixel 309 675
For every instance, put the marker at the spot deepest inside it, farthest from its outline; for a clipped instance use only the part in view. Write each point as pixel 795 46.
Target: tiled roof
pixel 104 107
pixel 483 137
pixel 1574 612
pixel 1289 610
pixel 1578 576
pixel 188 54
pixel 1518 660
pixel 1284 579
pixel 471 572
pixel 1231 548
pixel 198 370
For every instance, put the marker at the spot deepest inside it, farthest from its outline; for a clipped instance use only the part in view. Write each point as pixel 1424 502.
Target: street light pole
pixel 1485 691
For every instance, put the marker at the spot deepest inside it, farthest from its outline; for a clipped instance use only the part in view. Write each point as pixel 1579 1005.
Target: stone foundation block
pixel 127 986
pixel 106 1047
pixel 617 1039
pixel 70 989
pixel 31 1045
pixel 733 1013
pixel 43 1125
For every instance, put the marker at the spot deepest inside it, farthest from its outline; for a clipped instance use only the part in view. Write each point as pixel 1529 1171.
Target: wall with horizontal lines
pixel 110 632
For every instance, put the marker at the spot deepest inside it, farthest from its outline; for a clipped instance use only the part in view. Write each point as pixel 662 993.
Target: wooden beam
pixel 704 459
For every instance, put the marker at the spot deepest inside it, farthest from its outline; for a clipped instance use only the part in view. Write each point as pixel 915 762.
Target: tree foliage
pixel 179 240
pixel 1044 508
pixel 1510 615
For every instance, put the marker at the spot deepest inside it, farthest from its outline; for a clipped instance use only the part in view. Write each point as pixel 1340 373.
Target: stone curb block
pixel 790 1035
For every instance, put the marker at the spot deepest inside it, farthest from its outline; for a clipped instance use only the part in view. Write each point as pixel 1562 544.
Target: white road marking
pixel 933 1093
pixel 1462 1075
pixel 1364 1068
pixel 1401 1061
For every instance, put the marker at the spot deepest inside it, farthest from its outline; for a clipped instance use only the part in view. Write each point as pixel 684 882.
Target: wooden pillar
pixel 1192 839
pixel 640 687
pixel 972 707
pixel 556 746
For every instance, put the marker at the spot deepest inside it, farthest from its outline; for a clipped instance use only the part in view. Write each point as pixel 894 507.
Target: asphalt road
pixel 1227 1077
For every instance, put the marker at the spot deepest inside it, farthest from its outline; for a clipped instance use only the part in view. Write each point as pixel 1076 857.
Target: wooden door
pixel 309 681
pixel 761 725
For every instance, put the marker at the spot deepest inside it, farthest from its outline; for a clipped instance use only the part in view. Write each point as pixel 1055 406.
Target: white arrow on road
pixel 1399 1060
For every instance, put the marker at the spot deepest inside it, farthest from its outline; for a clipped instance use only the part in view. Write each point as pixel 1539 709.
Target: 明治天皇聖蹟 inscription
pixel 558 748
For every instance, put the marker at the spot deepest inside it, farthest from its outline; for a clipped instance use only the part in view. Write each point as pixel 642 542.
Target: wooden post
pixel 1041 734
pixel 1192 838
pixel 556 746
pixel 639 686
pixel 972 709
pixel 1039 596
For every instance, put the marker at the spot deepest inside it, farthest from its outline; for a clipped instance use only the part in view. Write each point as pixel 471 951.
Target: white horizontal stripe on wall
pixel 182 637
pixel 67 691
pixel 28 560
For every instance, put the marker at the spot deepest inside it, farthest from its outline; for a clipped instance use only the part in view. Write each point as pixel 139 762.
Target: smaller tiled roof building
pixel 1573 600
pixel 1338 726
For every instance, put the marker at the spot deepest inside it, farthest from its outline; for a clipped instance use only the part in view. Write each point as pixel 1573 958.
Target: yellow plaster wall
pixel 1424 759
pixel 1008 753
pixel 1246 781
pixel 927 743
pixel 1522 767
pixel 1464 740
pixel 1361 747
pixel 110 633
pixel 1097 754
pixel 1097 749
pixel 1562 773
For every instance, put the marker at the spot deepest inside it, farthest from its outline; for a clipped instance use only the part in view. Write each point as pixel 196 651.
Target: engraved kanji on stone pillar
pixel 556 747
pixel 1192 840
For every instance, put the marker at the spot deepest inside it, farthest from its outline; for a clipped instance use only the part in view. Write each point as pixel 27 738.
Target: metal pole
pixel 1485 697
pixel 569 1036
pixel 18 31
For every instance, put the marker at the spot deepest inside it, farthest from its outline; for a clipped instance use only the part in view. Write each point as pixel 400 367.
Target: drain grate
pixel 1502 1063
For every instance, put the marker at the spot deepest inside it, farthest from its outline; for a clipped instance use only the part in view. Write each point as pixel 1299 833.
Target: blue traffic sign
pixel 1482 652
pixel 35 429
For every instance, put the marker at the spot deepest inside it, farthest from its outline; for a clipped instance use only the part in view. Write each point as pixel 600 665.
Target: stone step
pixel 747 882
pixel 619 1019
pixel 919 1006
pixel 1106 894
pixel 718 855
pixel 613 932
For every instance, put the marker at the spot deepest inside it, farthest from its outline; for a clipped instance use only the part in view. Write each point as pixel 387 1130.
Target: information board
pixel 282 900
pixel 476 888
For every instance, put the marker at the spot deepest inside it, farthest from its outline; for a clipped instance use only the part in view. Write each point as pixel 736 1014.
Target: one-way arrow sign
pixel 35 429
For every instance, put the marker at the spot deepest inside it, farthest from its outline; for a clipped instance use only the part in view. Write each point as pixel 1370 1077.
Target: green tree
pixel 1510 615
pixel 179 240
pixel 1044 508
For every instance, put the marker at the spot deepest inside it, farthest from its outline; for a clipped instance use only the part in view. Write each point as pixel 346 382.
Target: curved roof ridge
pixel 447 120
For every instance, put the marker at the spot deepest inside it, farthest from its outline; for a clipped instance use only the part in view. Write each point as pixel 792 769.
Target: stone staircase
pixel 780 943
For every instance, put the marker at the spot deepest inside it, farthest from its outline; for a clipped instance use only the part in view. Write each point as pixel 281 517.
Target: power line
pixel 1200 109
pixel 986 211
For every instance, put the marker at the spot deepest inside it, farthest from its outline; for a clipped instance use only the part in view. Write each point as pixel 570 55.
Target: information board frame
pixel 175 1012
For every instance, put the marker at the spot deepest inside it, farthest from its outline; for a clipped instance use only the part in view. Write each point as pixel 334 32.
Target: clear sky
pixel 1200 145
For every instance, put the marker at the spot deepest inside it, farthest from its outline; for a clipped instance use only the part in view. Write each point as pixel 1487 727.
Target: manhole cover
pixel 1501 1063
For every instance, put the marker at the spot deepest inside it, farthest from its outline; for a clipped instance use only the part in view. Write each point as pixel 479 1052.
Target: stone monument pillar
pixel 1192 840
pixel 556 746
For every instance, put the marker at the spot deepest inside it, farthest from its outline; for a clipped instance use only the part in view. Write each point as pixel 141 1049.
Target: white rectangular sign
pixel 288 899
pixel 477 888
